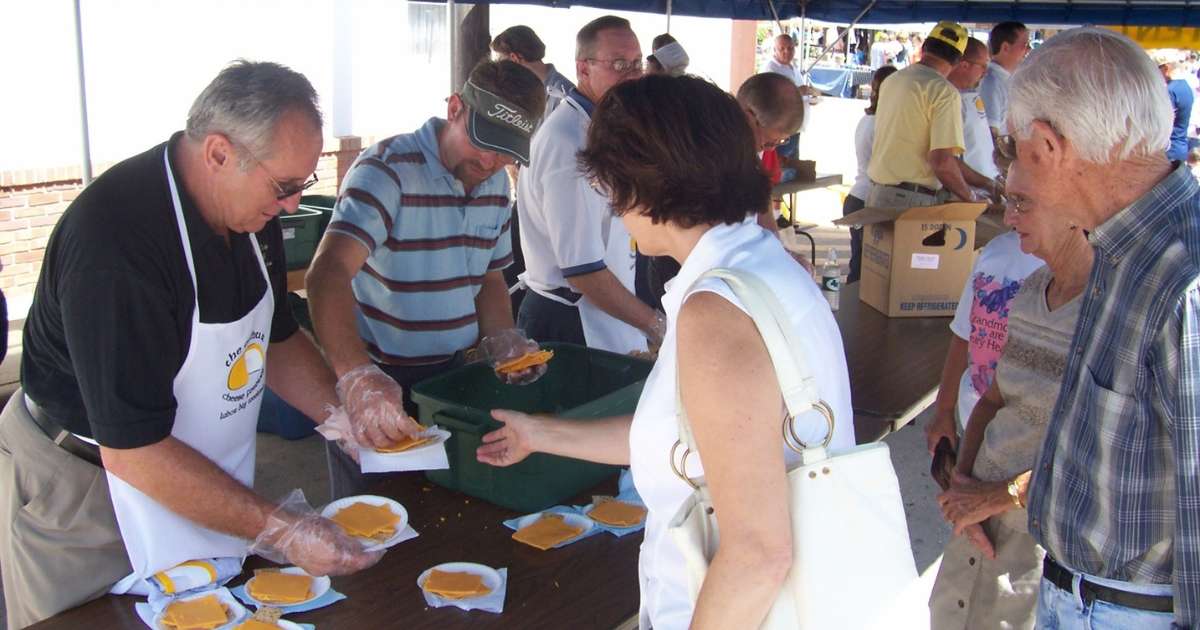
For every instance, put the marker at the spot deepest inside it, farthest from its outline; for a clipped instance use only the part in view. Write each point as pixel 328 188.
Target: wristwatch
pixel 1014 491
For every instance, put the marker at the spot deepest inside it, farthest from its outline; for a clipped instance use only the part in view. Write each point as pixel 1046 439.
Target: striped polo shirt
pixel 430 241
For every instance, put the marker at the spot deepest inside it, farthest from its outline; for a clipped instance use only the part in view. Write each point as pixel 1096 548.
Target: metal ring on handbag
pixel 789 429
pixel 681 470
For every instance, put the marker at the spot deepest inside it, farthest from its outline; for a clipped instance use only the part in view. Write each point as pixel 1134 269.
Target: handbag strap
pixel 797 384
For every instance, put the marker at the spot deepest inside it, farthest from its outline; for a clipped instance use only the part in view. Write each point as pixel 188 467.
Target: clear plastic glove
pixel 297 534
pixel 337 429
pixel 374 403
pixel 506 345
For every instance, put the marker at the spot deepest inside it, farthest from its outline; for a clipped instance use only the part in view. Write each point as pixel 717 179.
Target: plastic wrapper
pixel 507 346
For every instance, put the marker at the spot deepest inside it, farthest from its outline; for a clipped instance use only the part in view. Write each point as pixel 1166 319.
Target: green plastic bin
pixel 324 205
pixel 300 236
pixel 580 383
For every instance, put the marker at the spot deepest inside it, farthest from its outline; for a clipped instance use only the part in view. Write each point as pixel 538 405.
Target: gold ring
pixel 789 427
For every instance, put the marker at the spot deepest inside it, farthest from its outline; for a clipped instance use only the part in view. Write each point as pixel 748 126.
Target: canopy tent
pixel 1174 13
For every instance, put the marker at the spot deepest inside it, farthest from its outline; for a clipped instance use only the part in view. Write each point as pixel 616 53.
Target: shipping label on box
pixel 916 260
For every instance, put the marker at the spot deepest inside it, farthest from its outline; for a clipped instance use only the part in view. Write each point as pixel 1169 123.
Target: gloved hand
pixel 337 429
pixel 375 404
pixel 506 345
pixel 656 330
pixel 296 534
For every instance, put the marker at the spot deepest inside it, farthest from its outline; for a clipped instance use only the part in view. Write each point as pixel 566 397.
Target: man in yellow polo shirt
pixel 919 131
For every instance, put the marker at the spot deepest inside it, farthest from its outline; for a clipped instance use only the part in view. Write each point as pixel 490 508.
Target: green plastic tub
pixel 324 205
pixel 300 236
pixel 581 383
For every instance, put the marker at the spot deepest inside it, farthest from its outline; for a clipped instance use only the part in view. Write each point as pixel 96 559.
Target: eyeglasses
pixel 282 191
pixel 620 66
pixel 1015 204
pixel 982 64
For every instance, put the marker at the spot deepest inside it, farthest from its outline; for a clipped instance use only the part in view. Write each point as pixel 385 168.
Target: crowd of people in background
pixel 1066 435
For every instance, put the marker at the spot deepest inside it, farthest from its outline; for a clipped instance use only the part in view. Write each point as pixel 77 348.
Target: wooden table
pixel 589 584
pixel 895 364
pixel 795 186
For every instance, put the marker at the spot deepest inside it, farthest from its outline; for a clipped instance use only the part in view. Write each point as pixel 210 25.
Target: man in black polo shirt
pixel 153 332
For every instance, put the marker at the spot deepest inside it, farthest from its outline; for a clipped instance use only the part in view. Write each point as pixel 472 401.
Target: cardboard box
pixel 915 261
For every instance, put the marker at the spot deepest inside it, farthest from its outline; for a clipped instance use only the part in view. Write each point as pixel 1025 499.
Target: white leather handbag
pixel 852 564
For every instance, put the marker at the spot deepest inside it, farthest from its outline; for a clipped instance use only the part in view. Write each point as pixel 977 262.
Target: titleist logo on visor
pixel 511 116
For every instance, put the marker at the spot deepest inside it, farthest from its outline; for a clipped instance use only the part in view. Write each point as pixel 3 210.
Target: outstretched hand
pixel 510 443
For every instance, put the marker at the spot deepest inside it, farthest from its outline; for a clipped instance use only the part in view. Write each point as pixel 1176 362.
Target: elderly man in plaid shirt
pixel 1114 495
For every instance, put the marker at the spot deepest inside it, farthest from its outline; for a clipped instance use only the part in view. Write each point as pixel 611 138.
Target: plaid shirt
pixel 1116 486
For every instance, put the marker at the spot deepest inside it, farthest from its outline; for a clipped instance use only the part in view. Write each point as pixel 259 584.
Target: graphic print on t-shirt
pixel 989 326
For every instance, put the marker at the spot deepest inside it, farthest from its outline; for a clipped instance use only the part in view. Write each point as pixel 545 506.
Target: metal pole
pixel 843 35
pixel 83 115
pixel 452 23
pixel 668 16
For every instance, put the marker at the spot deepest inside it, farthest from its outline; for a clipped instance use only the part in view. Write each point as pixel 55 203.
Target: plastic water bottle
pixel 831 279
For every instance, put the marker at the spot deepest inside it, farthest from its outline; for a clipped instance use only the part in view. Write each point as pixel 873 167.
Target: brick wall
pixel 31 203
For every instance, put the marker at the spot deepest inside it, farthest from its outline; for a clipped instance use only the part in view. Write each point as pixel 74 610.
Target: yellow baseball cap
pixel 951 33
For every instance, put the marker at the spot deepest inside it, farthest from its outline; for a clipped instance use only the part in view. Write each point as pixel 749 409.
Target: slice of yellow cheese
pixel 276 587
pixel 618 513
pixel 525 361
pixel 408 443
pixel 255 624
pixel 546 532
pixel 365 520
pixel 202 613
pixel 455 584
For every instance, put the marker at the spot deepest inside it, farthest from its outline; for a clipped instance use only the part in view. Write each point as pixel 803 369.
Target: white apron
pixel 601 330
pixel 218 391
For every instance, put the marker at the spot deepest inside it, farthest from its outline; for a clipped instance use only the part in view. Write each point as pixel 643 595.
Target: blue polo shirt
pixel 430 244
pixel 1181 104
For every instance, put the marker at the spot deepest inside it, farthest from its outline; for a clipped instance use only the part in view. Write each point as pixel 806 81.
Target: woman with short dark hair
pixel 677 158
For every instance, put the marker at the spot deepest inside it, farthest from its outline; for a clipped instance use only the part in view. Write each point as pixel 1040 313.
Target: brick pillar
pixel 348 148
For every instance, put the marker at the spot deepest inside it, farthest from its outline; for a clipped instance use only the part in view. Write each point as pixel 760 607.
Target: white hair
pixel 1099 90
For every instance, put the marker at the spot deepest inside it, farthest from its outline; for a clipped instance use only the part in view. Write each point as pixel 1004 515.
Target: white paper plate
pixel 574 520
pixel 438 434
pixel 287 625
pixel 320 585
pixel 491 577
pixel 395 507
pixel 237 612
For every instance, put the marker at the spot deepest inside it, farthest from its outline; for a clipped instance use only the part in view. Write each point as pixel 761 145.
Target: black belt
pixel 566 294
pixel 1089 591
pixel 66 440
pixel 917 188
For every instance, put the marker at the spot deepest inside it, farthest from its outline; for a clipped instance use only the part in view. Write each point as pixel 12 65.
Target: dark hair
pixel 1004 33
pixel 876 83
pixel 585 40
pixel 974 44
pixel 680 148
pixel 653 64
pixel 512 82
pixel 662 40
pixel 941 50
pixel 774 99
pixel 520 40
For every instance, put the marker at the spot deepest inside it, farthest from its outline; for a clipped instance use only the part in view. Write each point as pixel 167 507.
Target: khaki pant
pixel 59 541
pixel 883 196
pixel 973 592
